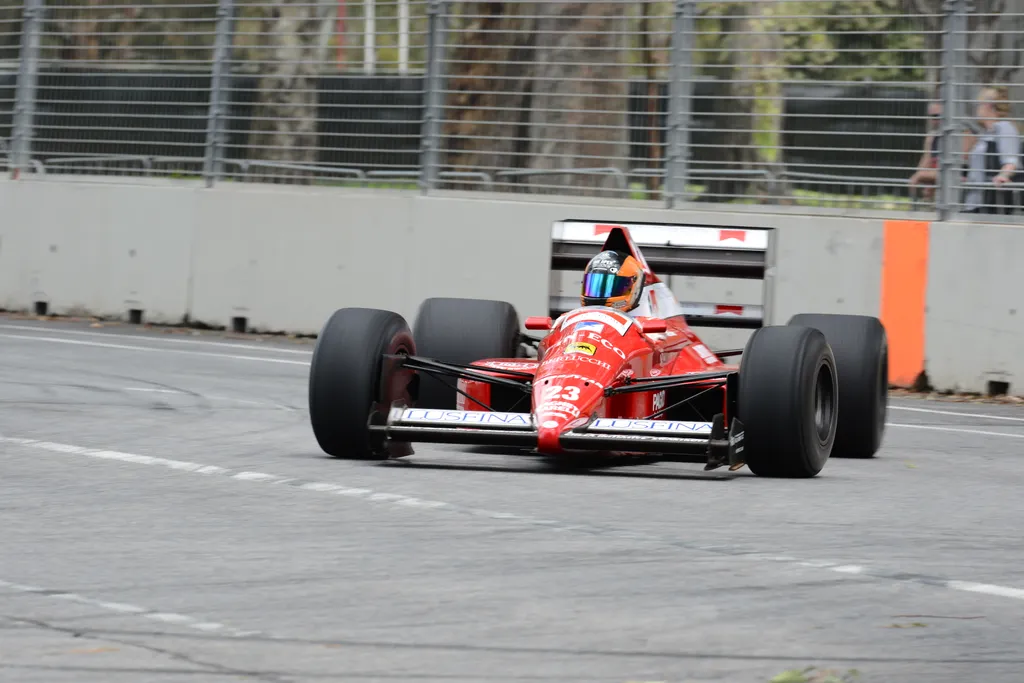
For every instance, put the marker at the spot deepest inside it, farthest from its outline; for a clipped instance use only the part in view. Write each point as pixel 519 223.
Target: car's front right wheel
pixel 788 401
pixel 861 348
pixel 464 331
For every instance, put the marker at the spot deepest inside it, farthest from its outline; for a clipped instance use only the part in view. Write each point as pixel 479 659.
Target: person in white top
pixel 995 156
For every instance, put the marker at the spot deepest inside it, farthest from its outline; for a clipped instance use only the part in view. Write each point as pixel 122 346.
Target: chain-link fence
pixel 871 104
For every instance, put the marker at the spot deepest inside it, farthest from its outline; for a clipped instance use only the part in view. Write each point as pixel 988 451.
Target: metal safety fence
pixel 897 105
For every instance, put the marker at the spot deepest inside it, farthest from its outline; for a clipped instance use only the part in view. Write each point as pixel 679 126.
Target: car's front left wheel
pixel 349 380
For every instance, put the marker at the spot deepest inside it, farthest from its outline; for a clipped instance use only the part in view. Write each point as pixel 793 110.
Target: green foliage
pixel 842 40
pixel 813 675
pixel 143 31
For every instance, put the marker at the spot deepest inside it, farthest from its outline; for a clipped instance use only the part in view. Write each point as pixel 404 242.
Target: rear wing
pixel 674 249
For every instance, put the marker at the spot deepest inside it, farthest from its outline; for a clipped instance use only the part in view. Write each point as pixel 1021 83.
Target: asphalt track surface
pixel 167 516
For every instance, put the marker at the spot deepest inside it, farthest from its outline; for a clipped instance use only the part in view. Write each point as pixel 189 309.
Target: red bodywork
pixel 590 349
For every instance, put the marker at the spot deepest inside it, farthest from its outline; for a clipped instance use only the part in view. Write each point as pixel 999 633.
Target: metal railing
pixel 828 104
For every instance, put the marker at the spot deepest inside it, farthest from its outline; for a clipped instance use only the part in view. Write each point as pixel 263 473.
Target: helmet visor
pixel 606 285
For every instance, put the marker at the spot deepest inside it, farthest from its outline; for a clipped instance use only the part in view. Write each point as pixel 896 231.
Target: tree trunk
pixel 489 90
pixel 995 54
pixel 579 117
pixel 732 113
pixel 995 48
pixel 766 74
pixel 284 127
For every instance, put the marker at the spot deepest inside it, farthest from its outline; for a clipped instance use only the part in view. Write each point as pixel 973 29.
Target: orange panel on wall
pixel 904 292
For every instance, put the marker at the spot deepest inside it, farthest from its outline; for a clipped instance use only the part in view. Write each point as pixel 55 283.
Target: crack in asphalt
pixel 101 636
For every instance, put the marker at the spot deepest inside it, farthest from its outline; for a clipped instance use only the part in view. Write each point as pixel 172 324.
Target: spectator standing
pixel 927 168
pixel 927 174
pixel 995 157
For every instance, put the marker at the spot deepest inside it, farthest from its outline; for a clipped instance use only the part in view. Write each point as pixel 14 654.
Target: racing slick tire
pixel 462 331
pixel 347 379
pixel 787 401
pixel 861 348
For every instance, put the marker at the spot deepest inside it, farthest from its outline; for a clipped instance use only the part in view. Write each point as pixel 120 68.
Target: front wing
pixel 689 441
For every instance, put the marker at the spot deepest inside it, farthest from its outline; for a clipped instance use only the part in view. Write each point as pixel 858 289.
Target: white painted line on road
pixel 554 525
pixel 153 349
pixel 987 588
pixel 208 627
pixel 256 476
pixel 170 618
pixel 987 416
pixel 848 569
pixel 956 429
pixel 123 608
pixel 120 607
pixel 153 337
pixel 149 390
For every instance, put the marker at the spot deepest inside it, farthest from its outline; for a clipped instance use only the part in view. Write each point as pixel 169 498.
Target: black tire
pixel 861 349
pixel 461 331
pixel 788 401
pixel 346 383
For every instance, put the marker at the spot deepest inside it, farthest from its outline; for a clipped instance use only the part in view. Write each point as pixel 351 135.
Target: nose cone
pixel 561 398
pixel 570 380
pixel 549 429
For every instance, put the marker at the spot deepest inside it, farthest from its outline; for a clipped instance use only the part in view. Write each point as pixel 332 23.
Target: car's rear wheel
pixel 349 380
pixel 462 331
pixel 861 349
pixel 788 401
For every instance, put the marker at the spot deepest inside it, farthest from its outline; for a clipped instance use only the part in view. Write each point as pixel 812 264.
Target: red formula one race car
pixel 619 373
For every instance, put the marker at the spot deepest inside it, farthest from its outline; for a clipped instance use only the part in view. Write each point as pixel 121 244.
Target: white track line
pixel 149 390
pixel 987 416
pixel 124 608
pixel 155 337
pixel 936 428
pixel 399 500
pixel 153 349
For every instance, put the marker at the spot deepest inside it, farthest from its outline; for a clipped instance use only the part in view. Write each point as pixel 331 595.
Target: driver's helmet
pixel 613 279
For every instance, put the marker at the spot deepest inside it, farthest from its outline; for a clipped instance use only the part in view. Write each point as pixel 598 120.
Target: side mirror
pixel 536 322
pixel 653 326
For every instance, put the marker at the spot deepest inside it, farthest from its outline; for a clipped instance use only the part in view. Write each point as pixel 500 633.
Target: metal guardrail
pixel 645 100
pixel 245 172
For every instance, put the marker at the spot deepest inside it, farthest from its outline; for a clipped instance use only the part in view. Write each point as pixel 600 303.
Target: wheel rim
pixel 824 403
pixel 883 388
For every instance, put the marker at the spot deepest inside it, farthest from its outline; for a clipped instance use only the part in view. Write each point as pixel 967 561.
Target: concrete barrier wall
pixel 975 296
pixel 104 249
pixel 286 257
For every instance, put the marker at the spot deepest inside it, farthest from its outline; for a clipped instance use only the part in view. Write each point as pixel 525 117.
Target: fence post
pixel 680 96
pixel 25 92
pixel 953 47
pixel 213 161
pixel 437 11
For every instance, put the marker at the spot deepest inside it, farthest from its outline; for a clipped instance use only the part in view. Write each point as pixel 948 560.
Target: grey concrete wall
pixel 103 249
pixel 827 266
pixel 285 257
pixel 974 329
